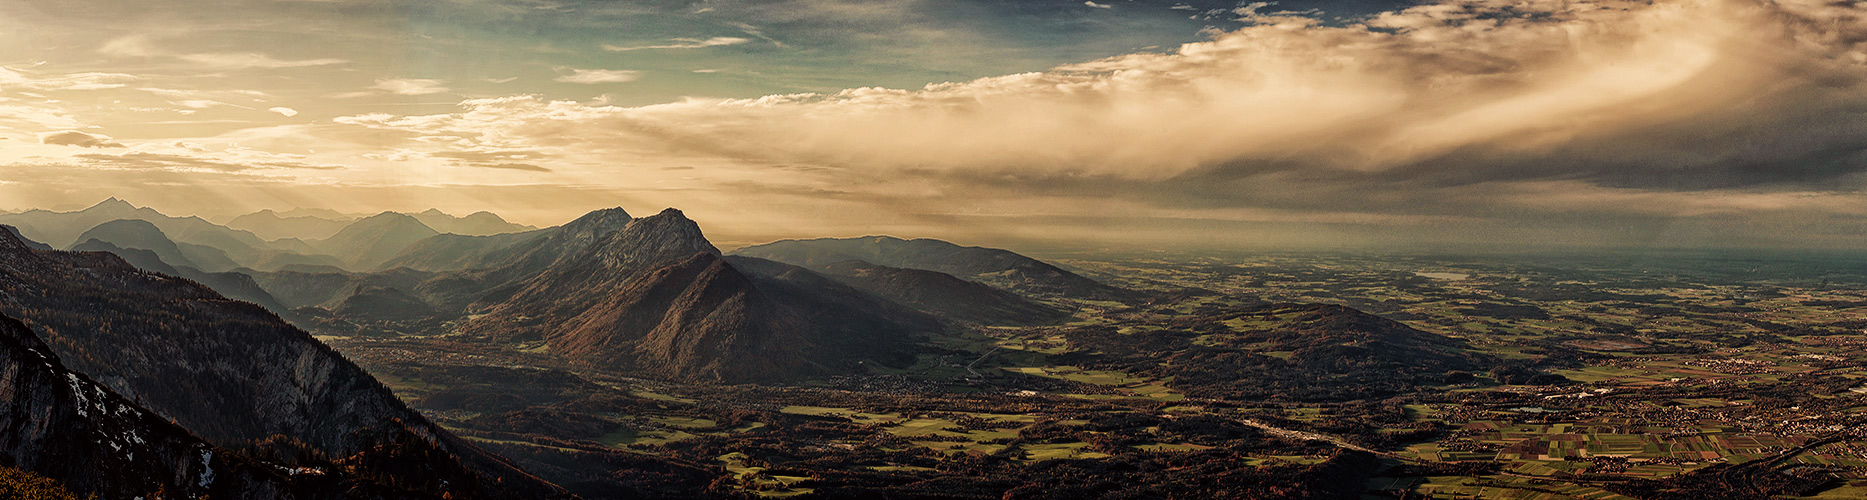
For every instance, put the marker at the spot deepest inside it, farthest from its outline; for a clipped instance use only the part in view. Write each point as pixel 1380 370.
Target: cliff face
pixel 233 373
pixel 62 425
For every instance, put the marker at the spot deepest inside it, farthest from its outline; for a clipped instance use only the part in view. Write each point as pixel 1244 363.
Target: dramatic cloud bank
pixel 1672 122
pixel 1693 93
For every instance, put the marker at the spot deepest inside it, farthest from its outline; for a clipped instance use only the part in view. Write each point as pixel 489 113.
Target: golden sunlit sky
pixel 1131 124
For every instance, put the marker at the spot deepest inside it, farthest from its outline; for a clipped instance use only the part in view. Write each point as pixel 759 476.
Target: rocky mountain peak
pixel 593 227
pixel 665 236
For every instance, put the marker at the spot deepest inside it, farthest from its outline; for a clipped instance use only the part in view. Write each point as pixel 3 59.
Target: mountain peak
pixel 662 237
pixel 597 224
pixel 603 215
pixel 389 218
pixel 111 203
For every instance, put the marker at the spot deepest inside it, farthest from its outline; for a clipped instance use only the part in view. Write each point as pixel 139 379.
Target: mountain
pixel 273 226
pixel 494 272
pixel 942 294
pixel 63 229
pixel 296 288
pixel 234 285
pixel 235 374
pixel 329 289
pixel 654 298
pixel 281 259
pixel 140 234
pixel 383 303
pixel 453 252
pixel 322 213
pixel 368 242
pixel 475 265
pixel 1001 268
pixel 143 259
pixel 65 426
pixel 295 245
pixel 475 224
pixel 573 238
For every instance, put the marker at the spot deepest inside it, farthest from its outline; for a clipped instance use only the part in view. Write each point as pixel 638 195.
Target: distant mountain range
pixel 265 240
pixel 651 297
pixel 274 226
pixel 642 297
pixel 1001 268
pixel 943 294
pixel 311 225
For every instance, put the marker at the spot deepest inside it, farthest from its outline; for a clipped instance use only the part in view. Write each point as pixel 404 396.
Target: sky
pixel 1119 124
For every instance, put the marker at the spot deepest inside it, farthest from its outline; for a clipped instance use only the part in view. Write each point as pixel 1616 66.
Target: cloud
pixel 80 139
pixel 1595 114
pixel 250 60
pixel 512 166
pixel 756 32
pixel 682 43
pixel 470 156
pixel 410 86
pixel 37 115
pixel 593 76
pixel 141 46
pixel 1452 92
pixel 287 112
pixel 183 160
pixel 20 80
pixel 1097 5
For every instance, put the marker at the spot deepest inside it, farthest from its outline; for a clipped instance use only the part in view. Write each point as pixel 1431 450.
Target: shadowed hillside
pixel 232 372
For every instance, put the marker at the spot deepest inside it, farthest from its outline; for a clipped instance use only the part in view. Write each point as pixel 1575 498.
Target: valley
pixel 627 357
pixel 1576 393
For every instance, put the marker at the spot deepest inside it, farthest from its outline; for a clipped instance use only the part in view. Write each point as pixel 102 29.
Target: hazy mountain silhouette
pixel 64 229
pixel 474 224
pixel 1002 268
pixel 368 242
pixel 234 285
pixel 453 252
pixel 271 225
pixel 140 234
pixel 943 294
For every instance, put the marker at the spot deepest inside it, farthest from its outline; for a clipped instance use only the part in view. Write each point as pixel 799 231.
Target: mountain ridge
pixel 997 267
